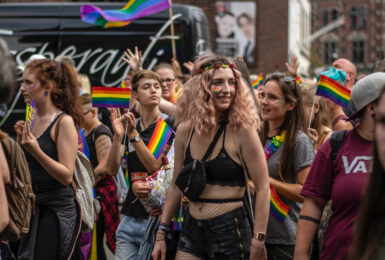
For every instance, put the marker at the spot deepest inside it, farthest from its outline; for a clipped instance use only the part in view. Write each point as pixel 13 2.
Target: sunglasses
pixel 285 78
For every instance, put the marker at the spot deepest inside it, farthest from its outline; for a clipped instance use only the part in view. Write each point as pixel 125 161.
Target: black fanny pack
pixel 192 178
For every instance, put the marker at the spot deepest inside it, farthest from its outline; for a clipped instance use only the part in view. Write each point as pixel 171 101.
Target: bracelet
pixel 164 227
pixel 317 221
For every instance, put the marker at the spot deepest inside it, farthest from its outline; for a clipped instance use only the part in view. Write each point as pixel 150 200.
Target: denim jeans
pixel 130 237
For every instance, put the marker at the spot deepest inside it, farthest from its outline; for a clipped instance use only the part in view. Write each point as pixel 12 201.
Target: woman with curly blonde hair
pixel 217 103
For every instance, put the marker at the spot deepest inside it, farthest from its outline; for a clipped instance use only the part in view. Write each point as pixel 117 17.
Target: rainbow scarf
pixel 133 10
pixel 332 90
pixel 110 97
pixel 258 82
pixel 277 208
pixel 160 137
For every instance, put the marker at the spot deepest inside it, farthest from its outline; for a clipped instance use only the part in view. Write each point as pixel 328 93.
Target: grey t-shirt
pixel 284 233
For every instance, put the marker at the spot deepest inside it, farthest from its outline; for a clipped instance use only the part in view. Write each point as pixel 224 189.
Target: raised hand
pixel 134 60
pixel 116 122
pixel 292 68
pixel 313 135
pixel 189 65
pixel 129 119
pixel 29 141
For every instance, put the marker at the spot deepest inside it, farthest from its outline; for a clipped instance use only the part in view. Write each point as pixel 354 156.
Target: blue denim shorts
pixel 227 236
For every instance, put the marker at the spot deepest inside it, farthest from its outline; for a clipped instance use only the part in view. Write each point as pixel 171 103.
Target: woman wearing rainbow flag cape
pixel 289 154
pixel 217 122
pixel 340 175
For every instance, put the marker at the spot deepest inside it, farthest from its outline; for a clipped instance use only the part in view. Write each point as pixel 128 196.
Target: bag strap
pixel 245 171
pixel 73 184
pixel 214 142
pixel 336 141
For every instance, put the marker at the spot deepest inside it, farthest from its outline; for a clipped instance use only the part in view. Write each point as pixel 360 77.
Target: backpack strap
pixel 336 141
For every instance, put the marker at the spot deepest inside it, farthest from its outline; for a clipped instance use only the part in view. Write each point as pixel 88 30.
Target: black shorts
pixel 227 236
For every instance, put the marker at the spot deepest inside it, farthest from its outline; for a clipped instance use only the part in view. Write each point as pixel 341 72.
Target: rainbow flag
pixel 298 79
pixel 277 208
pixel 258 82
pixel 134 9
pixel 332 90
pixel 160 137
pixel 110 97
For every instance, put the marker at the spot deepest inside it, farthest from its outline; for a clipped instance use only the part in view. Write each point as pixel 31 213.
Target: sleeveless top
pixel 99 130
pixel 42 181
pixel 222 170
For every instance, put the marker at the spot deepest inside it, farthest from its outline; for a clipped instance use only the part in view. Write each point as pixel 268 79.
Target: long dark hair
pixel 370 225
pixel 65 91
pixel 292 124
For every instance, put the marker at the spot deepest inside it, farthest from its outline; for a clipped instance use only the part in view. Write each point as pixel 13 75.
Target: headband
pixel 217 66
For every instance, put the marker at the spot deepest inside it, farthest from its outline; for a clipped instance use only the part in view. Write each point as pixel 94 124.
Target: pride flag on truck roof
pixel 133 10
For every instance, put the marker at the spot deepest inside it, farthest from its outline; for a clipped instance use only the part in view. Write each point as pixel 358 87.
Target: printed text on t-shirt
pixel 359 164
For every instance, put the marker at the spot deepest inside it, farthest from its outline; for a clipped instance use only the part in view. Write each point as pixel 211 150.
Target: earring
pixel 46 93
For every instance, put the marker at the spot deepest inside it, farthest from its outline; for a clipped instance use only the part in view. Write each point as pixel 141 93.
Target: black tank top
pixel 42 181
pixel 222 170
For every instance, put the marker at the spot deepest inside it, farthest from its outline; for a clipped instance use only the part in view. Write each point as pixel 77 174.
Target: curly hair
pixel 196 104
pixel 65 91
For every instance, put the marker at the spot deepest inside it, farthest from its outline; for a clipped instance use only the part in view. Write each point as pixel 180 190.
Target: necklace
pixel 141 121
pixel 272 146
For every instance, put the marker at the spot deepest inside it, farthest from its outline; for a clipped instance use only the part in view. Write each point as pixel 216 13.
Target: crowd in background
pixel 287 174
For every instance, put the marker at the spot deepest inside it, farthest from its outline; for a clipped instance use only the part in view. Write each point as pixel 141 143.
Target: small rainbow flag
pixel 258 82
pixel 134 9
pixel 160 137
pixel 110 97
pixel 332 90
pixel 277 208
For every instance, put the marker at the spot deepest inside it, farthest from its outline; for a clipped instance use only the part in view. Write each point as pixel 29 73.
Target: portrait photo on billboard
pixel 236 29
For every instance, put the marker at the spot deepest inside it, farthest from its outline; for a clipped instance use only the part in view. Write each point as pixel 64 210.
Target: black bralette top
pixel 222 170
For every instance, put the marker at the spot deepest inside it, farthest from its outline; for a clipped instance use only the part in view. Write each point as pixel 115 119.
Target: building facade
pixel 359 39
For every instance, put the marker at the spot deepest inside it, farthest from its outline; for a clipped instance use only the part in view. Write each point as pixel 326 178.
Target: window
pixel 353 17
pixel 362 17
pixel 334 14
pixel 328 50
pixel 325 18
pixel 358 51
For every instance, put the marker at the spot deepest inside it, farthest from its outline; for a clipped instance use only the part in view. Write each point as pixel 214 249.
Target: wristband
pixel 317 221
pixel 164 227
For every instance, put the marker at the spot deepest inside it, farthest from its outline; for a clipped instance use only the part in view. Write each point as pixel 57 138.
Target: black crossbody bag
pixel 192 178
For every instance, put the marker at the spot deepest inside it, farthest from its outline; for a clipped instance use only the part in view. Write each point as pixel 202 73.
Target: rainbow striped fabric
pixel 277 208
pixel 160 137
pixel 258 82
pixel 134 9
pixel 110 97
pixel 332 90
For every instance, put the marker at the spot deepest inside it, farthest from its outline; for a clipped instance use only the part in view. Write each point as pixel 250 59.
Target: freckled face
pixel 272 100
pixel 223 88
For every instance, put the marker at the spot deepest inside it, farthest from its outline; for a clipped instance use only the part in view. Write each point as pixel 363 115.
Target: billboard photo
pixel 236 29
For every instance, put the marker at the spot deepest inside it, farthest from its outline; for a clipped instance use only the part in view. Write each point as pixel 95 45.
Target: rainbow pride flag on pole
pixel 332 90
pixel 110 97
pixel 258 82
pixel 134 9
pixel 277 208
pixel 160 137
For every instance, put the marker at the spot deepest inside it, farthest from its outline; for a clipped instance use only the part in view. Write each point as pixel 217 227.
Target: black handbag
pixel 192 178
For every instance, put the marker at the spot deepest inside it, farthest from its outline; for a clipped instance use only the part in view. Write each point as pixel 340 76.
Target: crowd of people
pixel 270 173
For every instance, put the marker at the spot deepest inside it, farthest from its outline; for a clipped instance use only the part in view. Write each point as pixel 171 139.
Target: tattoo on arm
pixel 103 147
